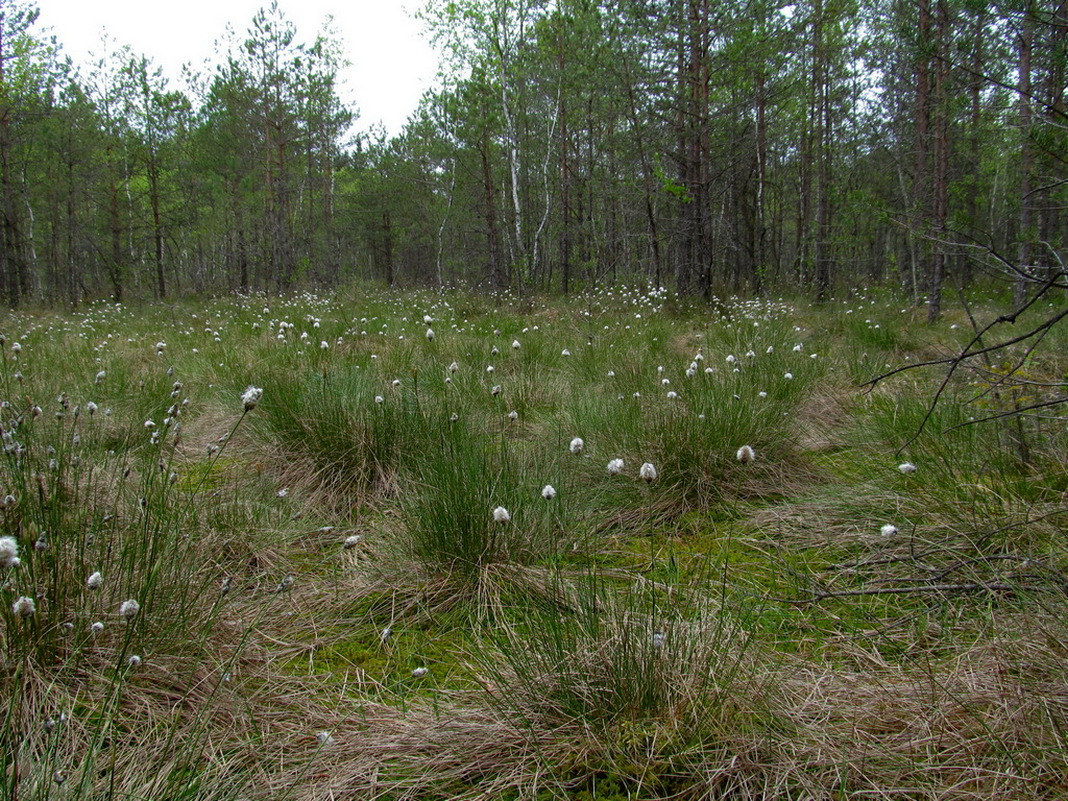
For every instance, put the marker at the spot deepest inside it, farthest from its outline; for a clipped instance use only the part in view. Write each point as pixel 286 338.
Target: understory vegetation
pixel 372 545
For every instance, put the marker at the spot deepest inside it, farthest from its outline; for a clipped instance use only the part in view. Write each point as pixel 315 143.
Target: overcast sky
pixel 391 63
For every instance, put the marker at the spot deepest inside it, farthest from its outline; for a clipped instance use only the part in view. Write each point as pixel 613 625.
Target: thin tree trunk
pixel 1026 218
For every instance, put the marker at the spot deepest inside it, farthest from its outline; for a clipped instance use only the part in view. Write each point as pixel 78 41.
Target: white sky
pixel 391 63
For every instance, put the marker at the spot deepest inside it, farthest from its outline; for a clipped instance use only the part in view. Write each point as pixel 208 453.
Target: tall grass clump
pixel 110 601
pixel 343 430
pixel 468 505
pixel 691 419
pixel 646 690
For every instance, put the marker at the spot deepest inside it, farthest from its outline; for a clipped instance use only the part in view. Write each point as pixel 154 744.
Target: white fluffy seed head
pixel 9 552
pixel 577 445
pixel 24 607
pixel 615 467
pixel 251 397
pixel 548 492
pixel 501 515
pixel 129 609
pixel 746 454
pixel 647 472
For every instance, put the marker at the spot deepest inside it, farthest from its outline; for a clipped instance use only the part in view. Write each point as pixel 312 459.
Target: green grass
pixel 805 652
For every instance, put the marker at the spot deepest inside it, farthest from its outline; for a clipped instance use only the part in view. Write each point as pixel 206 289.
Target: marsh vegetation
pixel 600 548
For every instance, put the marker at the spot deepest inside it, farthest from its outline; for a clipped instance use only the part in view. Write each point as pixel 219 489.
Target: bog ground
pixel 447 546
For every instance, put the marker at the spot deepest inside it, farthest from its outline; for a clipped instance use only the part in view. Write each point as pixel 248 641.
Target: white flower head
pixel 95 581
pixel 379 399
pixel 325 739
pixel 134 661
pixel 419 672
pixel 658 639
pixel 565 352
pixel 251 397
pixel 647 472
pixel 496 390
pixel 97 627
pixel 888 530
pixel 515 344
pixel 352 541
pixel 615 467
pixel 453 367
pixel 129 609
pixel 577 445
pixel 513 415
pixel 746 454
pixel 9 552
pixel 500 515
pixel 907 467
pixel 548 492
pixel 100 376
pixel 24 607
pixel 430 335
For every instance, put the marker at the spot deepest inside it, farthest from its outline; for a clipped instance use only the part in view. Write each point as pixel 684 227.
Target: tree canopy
pixel 707 145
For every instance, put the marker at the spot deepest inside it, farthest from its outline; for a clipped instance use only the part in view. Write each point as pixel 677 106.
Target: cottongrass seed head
pixel 325 739
pixel 251 397
pixel 577 445
pixel 9 552
pixel 888 530
pixel 129 609
pixel 548 492
pixel 647 472
pixel 501 515
pixel 746 454
pixel 615 467
pixel 907 467
pixel 95 581
pixel 24 607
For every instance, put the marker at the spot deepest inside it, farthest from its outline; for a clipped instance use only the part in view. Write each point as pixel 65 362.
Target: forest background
pixel 707 145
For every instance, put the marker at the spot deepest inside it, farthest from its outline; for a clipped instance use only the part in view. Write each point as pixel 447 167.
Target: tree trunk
pixel 940 173
pixel 1026 216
